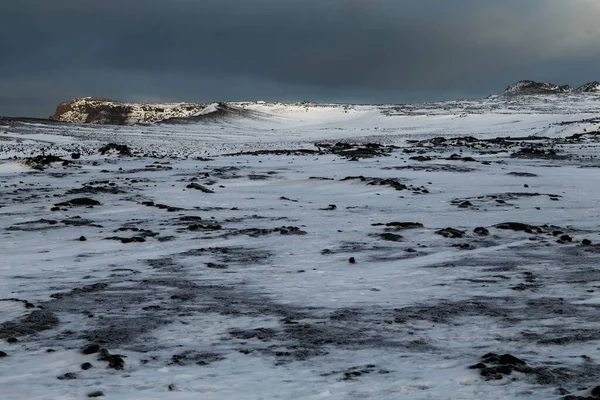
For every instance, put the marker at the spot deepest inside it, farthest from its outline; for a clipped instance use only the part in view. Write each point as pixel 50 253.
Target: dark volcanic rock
pixel 451 233
pixel 67 376
pixel 520 227
pixel 503 365
pixel 481 231
pixel 120 149
pixel 90 349
pixel 115 361
pixel 391 237
pixel 42 162
pixel 79 202
pixel 403 225
pixel 197 186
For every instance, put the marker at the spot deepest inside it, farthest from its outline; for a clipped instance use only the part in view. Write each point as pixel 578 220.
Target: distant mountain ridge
pixel 528 88
pixel 93 110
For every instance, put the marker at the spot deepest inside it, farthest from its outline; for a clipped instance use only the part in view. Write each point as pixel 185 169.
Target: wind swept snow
pixel 438 251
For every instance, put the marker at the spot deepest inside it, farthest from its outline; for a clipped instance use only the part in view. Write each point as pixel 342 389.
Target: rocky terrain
pixel 528 88
pixel 100 111
pixel 446 250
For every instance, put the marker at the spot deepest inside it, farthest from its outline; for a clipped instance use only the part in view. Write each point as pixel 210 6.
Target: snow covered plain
pixel 216 260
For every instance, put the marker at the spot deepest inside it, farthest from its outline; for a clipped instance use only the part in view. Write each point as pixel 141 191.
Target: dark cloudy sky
pixel 366 51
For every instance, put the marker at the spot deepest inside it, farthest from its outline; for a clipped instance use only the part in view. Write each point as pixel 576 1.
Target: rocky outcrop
pixel 525 88
pixel 529 88
pixel 590 87
pixel 100 111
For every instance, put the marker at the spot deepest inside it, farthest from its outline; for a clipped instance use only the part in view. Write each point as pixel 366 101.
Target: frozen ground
pixel 214 262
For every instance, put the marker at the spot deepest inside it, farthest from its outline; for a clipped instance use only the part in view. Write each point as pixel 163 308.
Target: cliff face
pixel 100 111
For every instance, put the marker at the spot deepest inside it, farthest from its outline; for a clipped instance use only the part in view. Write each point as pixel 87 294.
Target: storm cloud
pixel 363 51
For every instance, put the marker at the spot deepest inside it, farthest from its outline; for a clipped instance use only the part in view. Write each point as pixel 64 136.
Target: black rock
pixel 91 349
pixel 520 227
pixel 82 238
pixel 566 238
pixel 12 340
pixel 86 366
pixel 510 360
pixel 122 149
pixel 586 242
pixel 404 225
pixel 75 156
pixel 79 202
pixel 115 361
pixel 330 207
pixel 3 354
pixel 199 187
pixel 67 376
pixel 495 373
pixel 465 204
pixel 478 366
pixel 481 231
pixel 352 260
pixel 451 233
pixel 95 394
pixel 391 237
pixel 596 391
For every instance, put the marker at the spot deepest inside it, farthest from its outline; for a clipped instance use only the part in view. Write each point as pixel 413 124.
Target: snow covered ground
pixel 253 257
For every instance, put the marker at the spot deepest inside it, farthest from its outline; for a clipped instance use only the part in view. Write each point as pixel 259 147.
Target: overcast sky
pixel 360 51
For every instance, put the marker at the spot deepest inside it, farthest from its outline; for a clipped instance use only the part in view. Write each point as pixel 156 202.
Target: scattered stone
pixel 68 376
pixel 97 393
pixel 173 388
pixel 79 202
pixel 586 242
pixel 75 156
pixel 504 365
pixel 391 237
pixel 90 349
pixel 352 260
pixel 115 361
pixel 481 231
pixel 134 239
pixel 402 225
pixel 330 207
pixel 82 238
pixel 215 266
pixel 121 149
pixel 86 366
pixel 12 340
pixel 520 227
pixel 566 238
pixel 3 354
pixel 40 163
pixel 197 186
pixel 451 233
pixel 207 227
